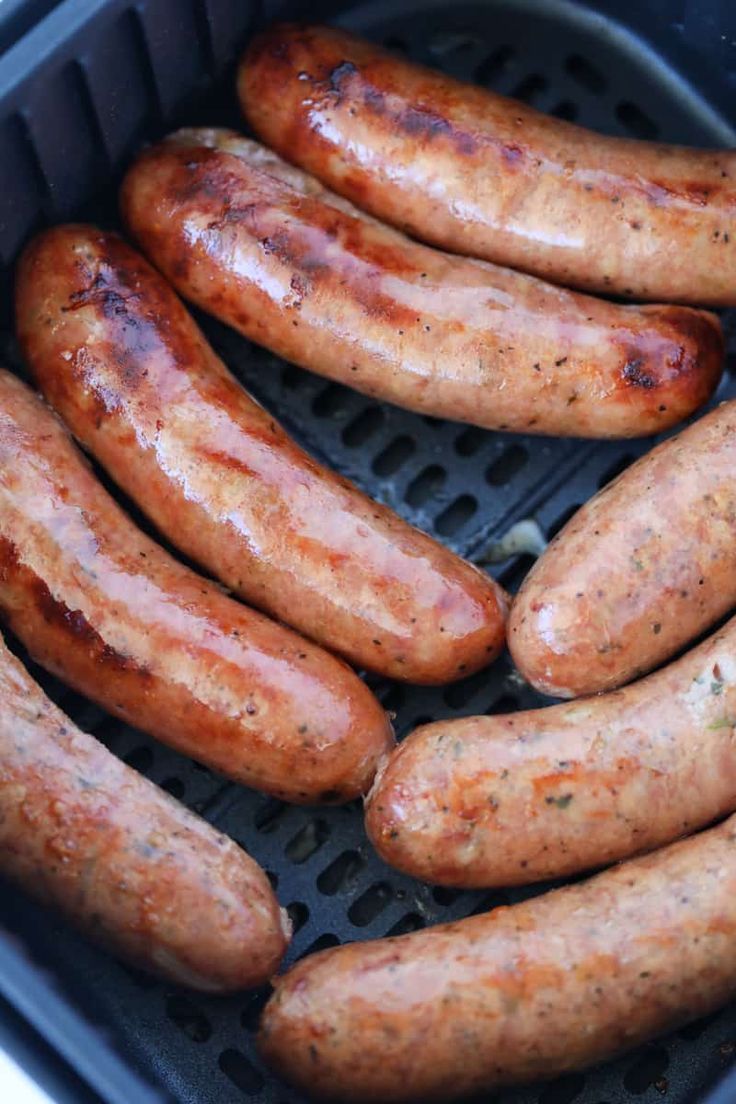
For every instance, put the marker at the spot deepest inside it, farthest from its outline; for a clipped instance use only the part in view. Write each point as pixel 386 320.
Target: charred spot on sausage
pixel 422 123
pixel 634 374
pixel 375 101
pixel 73 621
pixel 340 73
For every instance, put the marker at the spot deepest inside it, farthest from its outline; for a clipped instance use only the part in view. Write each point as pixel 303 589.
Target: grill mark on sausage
pixel 365 80
pixel 135 323
pixel 692 191
pixel 416 120
pixel 196 160
pixel 302 245
pixel 655 363
pixel 292 252
pixel 338 75
pixel 9 558
pixel 114 301
pixel 512 154
pixel 421 122
pixel 72 622
pixel 658 194
pixel 227 460
pixel 374 100
pixel 634 373
pixel 75 625
pixel 346 81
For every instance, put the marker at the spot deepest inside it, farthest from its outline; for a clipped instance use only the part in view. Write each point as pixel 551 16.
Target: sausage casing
pixel 110 613
pixel 477 173
pixel 128 864
pixel 506 800
pixel 522 993
pixel 641 569
pixel 116 353
pixel 297 269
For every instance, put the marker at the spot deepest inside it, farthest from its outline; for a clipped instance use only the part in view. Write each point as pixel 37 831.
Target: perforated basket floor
pixel 466 486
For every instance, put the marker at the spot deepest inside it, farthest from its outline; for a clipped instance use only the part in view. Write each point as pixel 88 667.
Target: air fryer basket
pixel 78 94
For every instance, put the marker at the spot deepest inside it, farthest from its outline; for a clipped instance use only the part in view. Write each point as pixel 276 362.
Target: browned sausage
pixel 130 866
pixel 105 609
pixel 477 173
pixel 644 567
pixel 118 356
pixel 263 247
pixel 519 994
pixel 505 800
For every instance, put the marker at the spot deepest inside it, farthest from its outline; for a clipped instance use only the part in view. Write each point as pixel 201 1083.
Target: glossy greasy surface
pixel 506 800
pixel 519 994
pixel 477 173
pixel 645 566
pixel 110 613
pixel 133 868
pixel 264 248
pixel 117 354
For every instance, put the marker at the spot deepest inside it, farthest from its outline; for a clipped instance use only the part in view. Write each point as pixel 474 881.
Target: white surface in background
pixel 16 1086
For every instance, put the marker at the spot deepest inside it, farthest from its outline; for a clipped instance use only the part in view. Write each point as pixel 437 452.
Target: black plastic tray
pixel 78 94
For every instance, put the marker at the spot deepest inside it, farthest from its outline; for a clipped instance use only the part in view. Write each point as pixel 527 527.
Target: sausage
pixel 521 993
pixel 118 356
pixel 477 173
pixel 129 865
pixel 295 268
pixel 506 800
pixel 104 608
pixel 641 569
